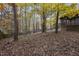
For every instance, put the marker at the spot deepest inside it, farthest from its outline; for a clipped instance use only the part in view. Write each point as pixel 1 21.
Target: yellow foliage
pixel 23 4
pixel 1 6
pixel 45 7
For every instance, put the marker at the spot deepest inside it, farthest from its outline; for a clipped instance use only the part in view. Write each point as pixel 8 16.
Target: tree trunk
pixel 33 26
pixel 1 15
pixel 29 25
pixel 25 20
pixel 44 23
pixel 15 22
pixel 56 27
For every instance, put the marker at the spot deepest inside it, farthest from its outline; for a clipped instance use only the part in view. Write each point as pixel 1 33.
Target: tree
pixel 45 8
pixel 57 17
pixel 60 9
pixel 15 22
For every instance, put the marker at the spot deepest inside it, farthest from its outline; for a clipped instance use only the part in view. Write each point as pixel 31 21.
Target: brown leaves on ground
pixel 42 44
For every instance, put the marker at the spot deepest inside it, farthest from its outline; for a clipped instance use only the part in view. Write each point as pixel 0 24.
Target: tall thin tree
pixel 15 21
pixel 57 17
pixel 44 23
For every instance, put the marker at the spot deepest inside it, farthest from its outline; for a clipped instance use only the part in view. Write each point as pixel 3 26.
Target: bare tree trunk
pixel 44 23
pixel 25 20
pixel 1 15
pixel 56 27
pixel 33 27
pixel 15 22
pixel 29 25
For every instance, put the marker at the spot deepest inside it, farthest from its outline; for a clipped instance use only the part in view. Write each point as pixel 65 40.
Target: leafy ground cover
pixel 42 44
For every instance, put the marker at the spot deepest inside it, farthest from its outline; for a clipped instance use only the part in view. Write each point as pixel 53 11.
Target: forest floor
pixel 42 44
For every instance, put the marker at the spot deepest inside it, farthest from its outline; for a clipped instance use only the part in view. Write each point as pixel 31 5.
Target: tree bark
pixel 1 15
pixel 56 27
pixel 15 22
pixel 44 23
pixel 33 26
pixel 25 20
